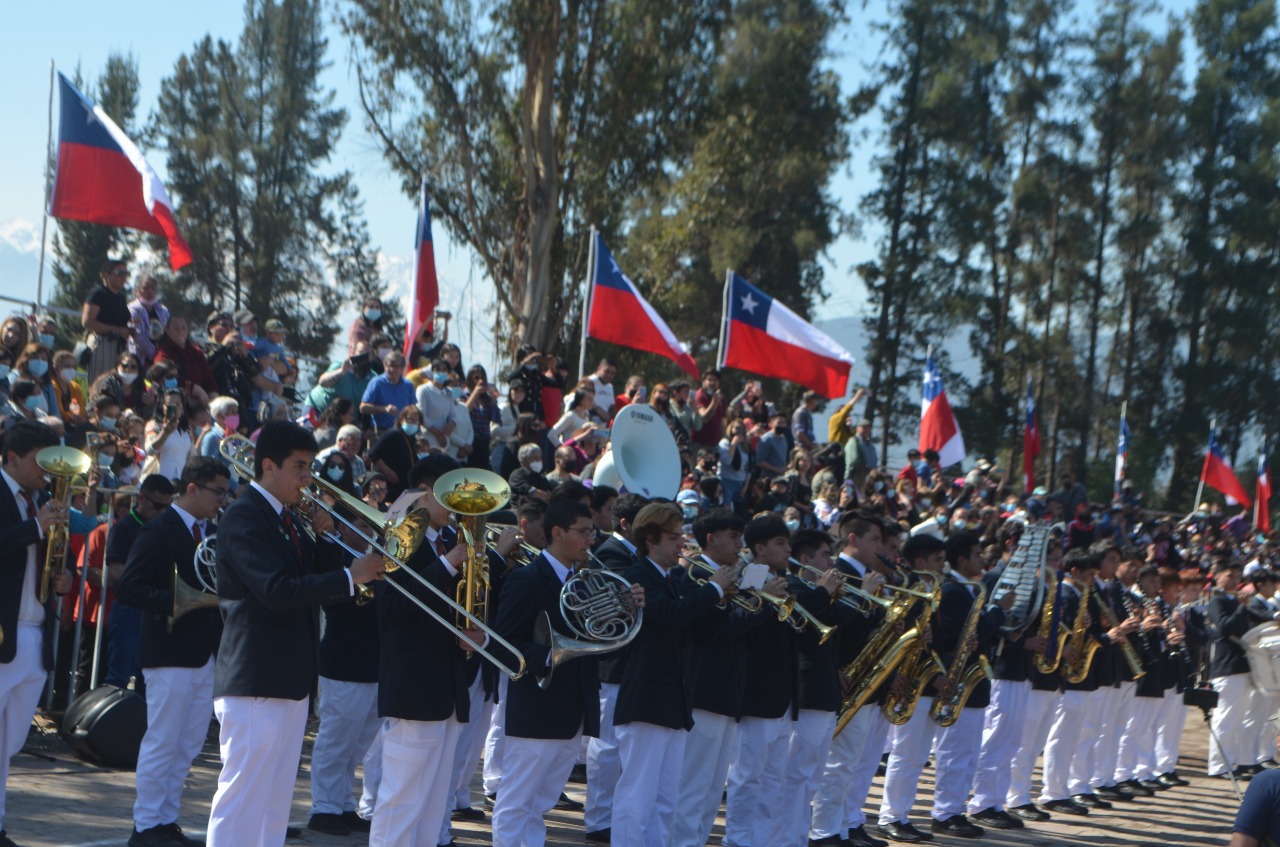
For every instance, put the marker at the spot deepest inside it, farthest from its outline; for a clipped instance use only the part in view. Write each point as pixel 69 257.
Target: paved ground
pixel 55 799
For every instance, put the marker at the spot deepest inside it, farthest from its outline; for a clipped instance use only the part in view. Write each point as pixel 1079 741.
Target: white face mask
pixel 128 377
pixel 793 524
pixel 536 467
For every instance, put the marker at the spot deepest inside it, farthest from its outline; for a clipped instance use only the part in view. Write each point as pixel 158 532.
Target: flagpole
pixel 586 308
pixel 1213 422
pixel 1257 501
pixel 724 318
pixel 48 188
pixel 1124 416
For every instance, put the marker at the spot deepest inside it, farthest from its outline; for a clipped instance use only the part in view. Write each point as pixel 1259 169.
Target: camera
pixel 443 314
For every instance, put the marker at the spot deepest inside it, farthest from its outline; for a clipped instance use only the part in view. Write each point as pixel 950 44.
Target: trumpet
pixel 396 540
pixel 493 531
pixel 749 600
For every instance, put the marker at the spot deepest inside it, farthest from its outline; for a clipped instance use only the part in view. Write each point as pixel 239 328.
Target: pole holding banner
pixel 586 303
pixel 1213 424
pixel 724 318
pixel 48 193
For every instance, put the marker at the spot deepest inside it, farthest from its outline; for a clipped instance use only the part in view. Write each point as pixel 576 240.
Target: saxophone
pixel 885 651
pixel 1086 645
pixel 919 664
pixel 945 711
pixel 1050 628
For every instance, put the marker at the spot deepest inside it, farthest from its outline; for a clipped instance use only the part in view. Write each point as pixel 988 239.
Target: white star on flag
pixel 749 304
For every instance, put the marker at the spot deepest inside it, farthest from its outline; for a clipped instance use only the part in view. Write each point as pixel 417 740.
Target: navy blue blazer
pixel 16 535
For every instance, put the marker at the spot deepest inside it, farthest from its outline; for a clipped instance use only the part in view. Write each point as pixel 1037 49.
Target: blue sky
pixel 78 31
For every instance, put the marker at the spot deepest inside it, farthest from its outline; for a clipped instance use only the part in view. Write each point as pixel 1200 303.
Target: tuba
pixel 643 457
pixel 597 605
pixel 945 711
pixel 395 540
pixel 186 597
pixel 470 493
pixel 63 464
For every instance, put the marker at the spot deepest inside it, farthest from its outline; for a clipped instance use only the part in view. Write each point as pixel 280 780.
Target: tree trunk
pixel 541 173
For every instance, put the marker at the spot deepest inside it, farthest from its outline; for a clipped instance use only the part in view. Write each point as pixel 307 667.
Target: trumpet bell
pixel 186 599
pixel 63 461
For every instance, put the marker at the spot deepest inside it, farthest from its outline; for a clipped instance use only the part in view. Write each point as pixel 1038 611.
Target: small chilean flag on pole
pixel 1217 472
pixel 426 289
pixel 939 429
pixel 1030 441
pixel 763 336
pixel 102 177
pixel 1122 442
pixel 1262 505
pixel 617 313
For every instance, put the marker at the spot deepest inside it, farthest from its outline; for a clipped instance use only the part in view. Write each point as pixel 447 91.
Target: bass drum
pixel 1262 646
pixel 105 726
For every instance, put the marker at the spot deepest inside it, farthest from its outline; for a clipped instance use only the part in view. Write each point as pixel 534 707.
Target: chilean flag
pixel 1263 518
pixel 617 313
pixel 765 337
pixel 426 289
pixel 938 427
pixel 1217 472
pixel 1030 441
pixel 1122 447
pixel 102 177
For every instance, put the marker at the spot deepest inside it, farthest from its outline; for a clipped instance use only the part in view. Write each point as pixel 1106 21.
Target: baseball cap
pixel 244 316
pixel 275 325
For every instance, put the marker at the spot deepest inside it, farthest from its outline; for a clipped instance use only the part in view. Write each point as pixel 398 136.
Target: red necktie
pixel 196 534
pixel 291 531
pixel 31 504
pixel 439 545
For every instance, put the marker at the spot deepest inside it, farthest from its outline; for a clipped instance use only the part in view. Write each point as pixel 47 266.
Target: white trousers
pixel 1233 722
pixel 417 769
pixel 492 772
pixel 806 755
pixel 1002 724
pixel 1042 706
pixel 1114 708
pixel 1264 706
pixel 21 682
pixel 1137 744
pixel 833 792
pixel 603 765
pixel 646 797
pixel 957 757
pixel 470 745
pixel 913 741
pixel 260 742
pixel 1172 720
pixel 349 724
pixel 179 705
pixel 864 772
pixel 755 781
pixel 534 771
pixel 1067 765
pixel 708 750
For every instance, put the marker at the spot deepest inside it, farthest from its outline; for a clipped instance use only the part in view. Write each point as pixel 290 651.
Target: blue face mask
pixel 38 367
pixel 372 314
pixel 457 392
pixel 334 473
pixel 46 339
pixel 170 383
pixel 4 371
pixel 878 486
pixel 33 402
pixel 440 377
pixel 410 429
pixel 107 423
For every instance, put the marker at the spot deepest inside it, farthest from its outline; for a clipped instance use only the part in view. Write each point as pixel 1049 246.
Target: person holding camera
pixel 346 378
pixel 169 438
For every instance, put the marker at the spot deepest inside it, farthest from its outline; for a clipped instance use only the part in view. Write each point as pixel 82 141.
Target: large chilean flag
pixel 426 287
pixel 1217 472
pixel 765 337
pixel 102 177
pixel 939 429
pixel 618 314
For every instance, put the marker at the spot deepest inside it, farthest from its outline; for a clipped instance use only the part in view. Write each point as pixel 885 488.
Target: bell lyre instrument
pixel 1025 575
pixel 63 464
pixel 187 597
pixel 597 605
pixel 395 540
pixel 469 493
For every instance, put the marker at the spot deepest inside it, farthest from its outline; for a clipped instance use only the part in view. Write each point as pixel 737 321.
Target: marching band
pixel 731 658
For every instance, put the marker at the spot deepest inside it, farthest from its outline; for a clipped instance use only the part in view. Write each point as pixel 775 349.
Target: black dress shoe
pixel 1173 778
pixel 489 800
pixel 578 774
pixel 1269 764
pixel 1152 785
pixel 956 825
pixel 568 804
pixel 859 837
pixel 903 831
pixel 469 814
pixel 292 832
pixel 156 836
pixel 1092 801
pixel 1138 789
pixel 357 823
pixel 1108 792
pixel 6 841
pixel 600 836
pixel 1014 823
pixel 328 823
pixel 178 836
pixel 829 841
pixel 1067 807
pixel 1253 770
pixel 992 818
pixel 1029 812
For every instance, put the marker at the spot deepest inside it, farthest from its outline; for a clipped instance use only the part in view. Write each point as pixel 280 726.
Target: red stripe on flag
pixel 426 296
pixel 1218 474
pixel 616 317
pixel 100 186
pixel 754 350
pixel 179 251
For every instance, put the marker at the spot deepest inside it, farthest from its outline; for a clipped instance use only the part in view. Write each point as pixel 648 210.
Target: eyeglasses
pixel 223 493
pixel 127 366
pixel 377 490
pixel 588 534
pixel 120 272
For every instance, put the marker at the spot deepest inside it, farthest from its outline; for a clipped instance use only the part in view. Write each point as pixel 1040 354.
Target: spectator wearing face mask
pixel 388 393
pixel 15 334
pixel 527 480
pixel 101 421
pixel 71 406
pixel 481 401
pixel 565 459
pixel 435 401
pixel 149 318
pixel 23 403
pixel 366 325
pixel 225 412
pixel 346 379
pixel 771 452
pixel 349 442
pixel 33 365
pixel 169 439
pixel 735 461
pixel 105 316
pixel 175 347
pixel 461 431
pixel 395 451
pixel 125 386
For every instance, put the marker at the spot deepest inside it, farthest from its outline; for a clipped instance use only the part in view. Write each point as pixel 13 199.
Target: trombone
pixel 395 540
pixel 862 601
